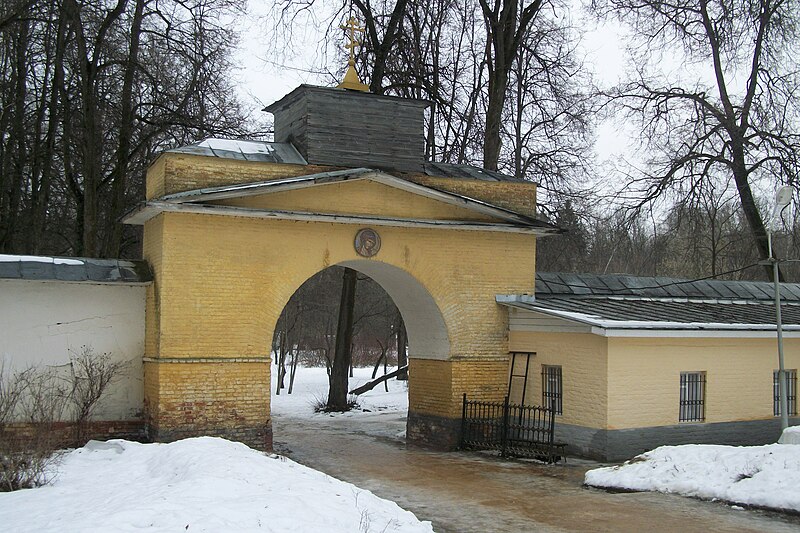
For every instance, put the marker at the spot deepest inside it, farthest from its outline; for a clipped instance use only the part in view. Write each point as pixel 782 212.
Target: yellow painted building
pixel 233 228
pixel 655 362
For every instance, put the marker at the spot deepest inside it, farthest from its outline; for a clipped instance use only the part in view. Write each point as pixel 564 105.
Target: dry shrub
pixel 33 403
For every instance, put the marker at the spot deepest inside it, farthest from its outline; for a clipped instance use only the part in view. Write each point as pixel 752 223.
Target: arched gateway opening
pixel 390 309
pixel 427 331
pixel 233 228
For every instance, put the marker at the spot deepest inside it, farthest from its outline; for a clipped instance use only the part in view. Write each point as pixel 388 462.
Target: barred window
pixel 552 392
pixel 791 392
pixel 693 397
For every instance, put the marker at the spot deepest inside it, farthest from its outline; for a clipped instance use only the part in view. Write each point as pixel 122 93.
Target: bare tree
pixel 737 117
pixel 507 24
pixel 90 92
pixel 337 392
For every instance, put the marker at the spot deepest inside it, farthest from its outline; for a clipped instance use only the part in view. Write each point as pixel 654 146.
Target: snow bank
pixel 790 435
pixel 199 484
pixel 767 476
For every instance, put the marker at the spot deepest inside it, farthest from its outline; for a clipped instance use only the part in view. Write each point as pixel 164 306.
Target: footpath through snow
pixel 764 476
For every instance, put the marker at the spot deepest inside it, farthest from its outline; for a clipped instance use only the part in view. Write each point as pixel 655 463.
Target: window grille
pixel 693 397
pixel 551 388
pixel 791 392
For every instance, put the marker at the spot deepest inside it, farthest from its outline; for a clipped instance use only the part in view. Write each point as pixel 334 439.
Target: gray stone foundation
pixel 622 444
pixel 435 432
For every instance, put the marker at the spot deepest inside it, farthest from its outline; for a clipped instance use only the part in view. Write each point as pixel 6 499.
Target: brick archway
pixel 232 229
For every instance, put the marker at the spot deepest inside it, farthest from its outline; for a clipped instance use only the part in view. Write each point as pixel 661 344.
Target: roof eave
pixel 310 180
pixel 151 209
pixel 604 326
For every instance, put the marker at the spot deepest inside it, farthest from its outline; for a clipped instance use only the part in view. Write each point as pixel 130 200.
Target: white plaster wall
pixel 42 322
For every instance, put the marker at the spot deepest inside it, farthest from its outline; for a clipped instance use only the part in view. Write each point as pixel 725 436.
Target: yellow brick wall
pixel 155 182
pixel 221 283
pixel 584 372
pixel 517 196
pixel 430 388
pixel 175 172
pixel 153 253
pixel 152 386
pixel 644 378
pixel 437 387
pixel 209 395
pixel 224 280
pixel 361 197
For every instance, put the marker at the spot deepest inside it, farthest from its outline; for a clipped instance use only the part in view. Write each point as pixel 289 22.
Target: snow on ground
pixel 311 386
pixel 211 484
pixel 766 476
pixel 790 435
pixel 199 484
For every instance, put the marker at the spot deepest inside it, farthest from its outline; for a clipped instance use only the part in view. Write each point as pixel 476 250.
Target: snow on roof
pixel 633 302
pixel 235 145
pixel 245 150
pixel 608 323
pixel 4 258
pixel 77 269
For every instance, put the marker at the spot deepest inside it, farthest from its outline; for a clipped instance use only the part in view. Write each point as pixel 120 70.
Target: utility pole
pixel 783 198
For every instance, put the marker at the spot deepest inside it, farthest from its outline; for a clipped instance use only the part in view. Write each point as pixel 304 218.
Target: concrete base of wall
pixel 623 444
pixel 431 431
pixel 259 438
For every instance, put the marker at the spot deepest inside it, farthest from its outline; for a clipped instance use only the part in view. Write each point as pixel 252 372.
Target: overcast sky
pixel 265 76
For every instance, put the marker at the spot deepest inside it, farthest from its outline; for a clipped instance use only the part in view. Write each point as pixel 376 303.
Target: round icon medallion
pixel 367 242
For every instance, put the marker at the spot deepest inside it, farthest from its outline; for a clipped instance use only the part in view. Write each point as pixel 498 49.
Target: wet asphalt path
pixel 466 492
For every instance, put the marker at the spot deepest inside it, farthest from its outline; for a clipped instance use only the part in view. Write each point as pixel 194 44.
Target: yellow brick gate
pixel 230 240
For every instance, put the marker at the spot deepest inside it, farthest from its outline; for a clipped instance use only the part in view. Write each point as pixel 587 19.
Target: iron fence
pixel 512 429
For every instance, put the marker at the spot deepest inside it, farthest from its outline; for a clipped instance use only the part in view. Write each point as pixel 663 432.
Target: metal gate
pixel 512 429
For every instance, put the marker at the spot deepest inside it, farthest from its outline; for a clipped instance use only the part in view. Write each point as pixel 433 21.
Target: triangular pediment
pixel 350 196
pixel 363 196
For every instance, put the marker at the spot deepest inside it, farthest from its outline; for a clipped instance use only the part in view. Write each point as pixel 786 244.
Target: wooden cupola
pixel 340 127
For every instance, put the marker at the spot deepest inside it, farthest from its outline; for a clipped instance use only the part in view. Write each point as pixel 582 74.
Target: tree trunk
pixel 751 212
pixel 40 196
pixel 374 383
pixel 292 370
pixel 381 48
pixel 377 364
pixel 402 356
pixel 281 364
pixel 498 80
pixel 506 27
pixel 385 349
pixel 17 146
pixel 337 394
pixel 125 134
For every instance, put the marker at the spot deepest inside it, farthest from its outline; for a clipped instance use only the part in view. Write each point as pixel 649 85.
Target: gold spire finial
pixel 351 81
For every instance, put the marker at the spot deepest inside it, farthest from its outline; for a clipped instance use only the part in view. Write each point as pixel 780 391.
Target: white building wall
pixel 43 322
